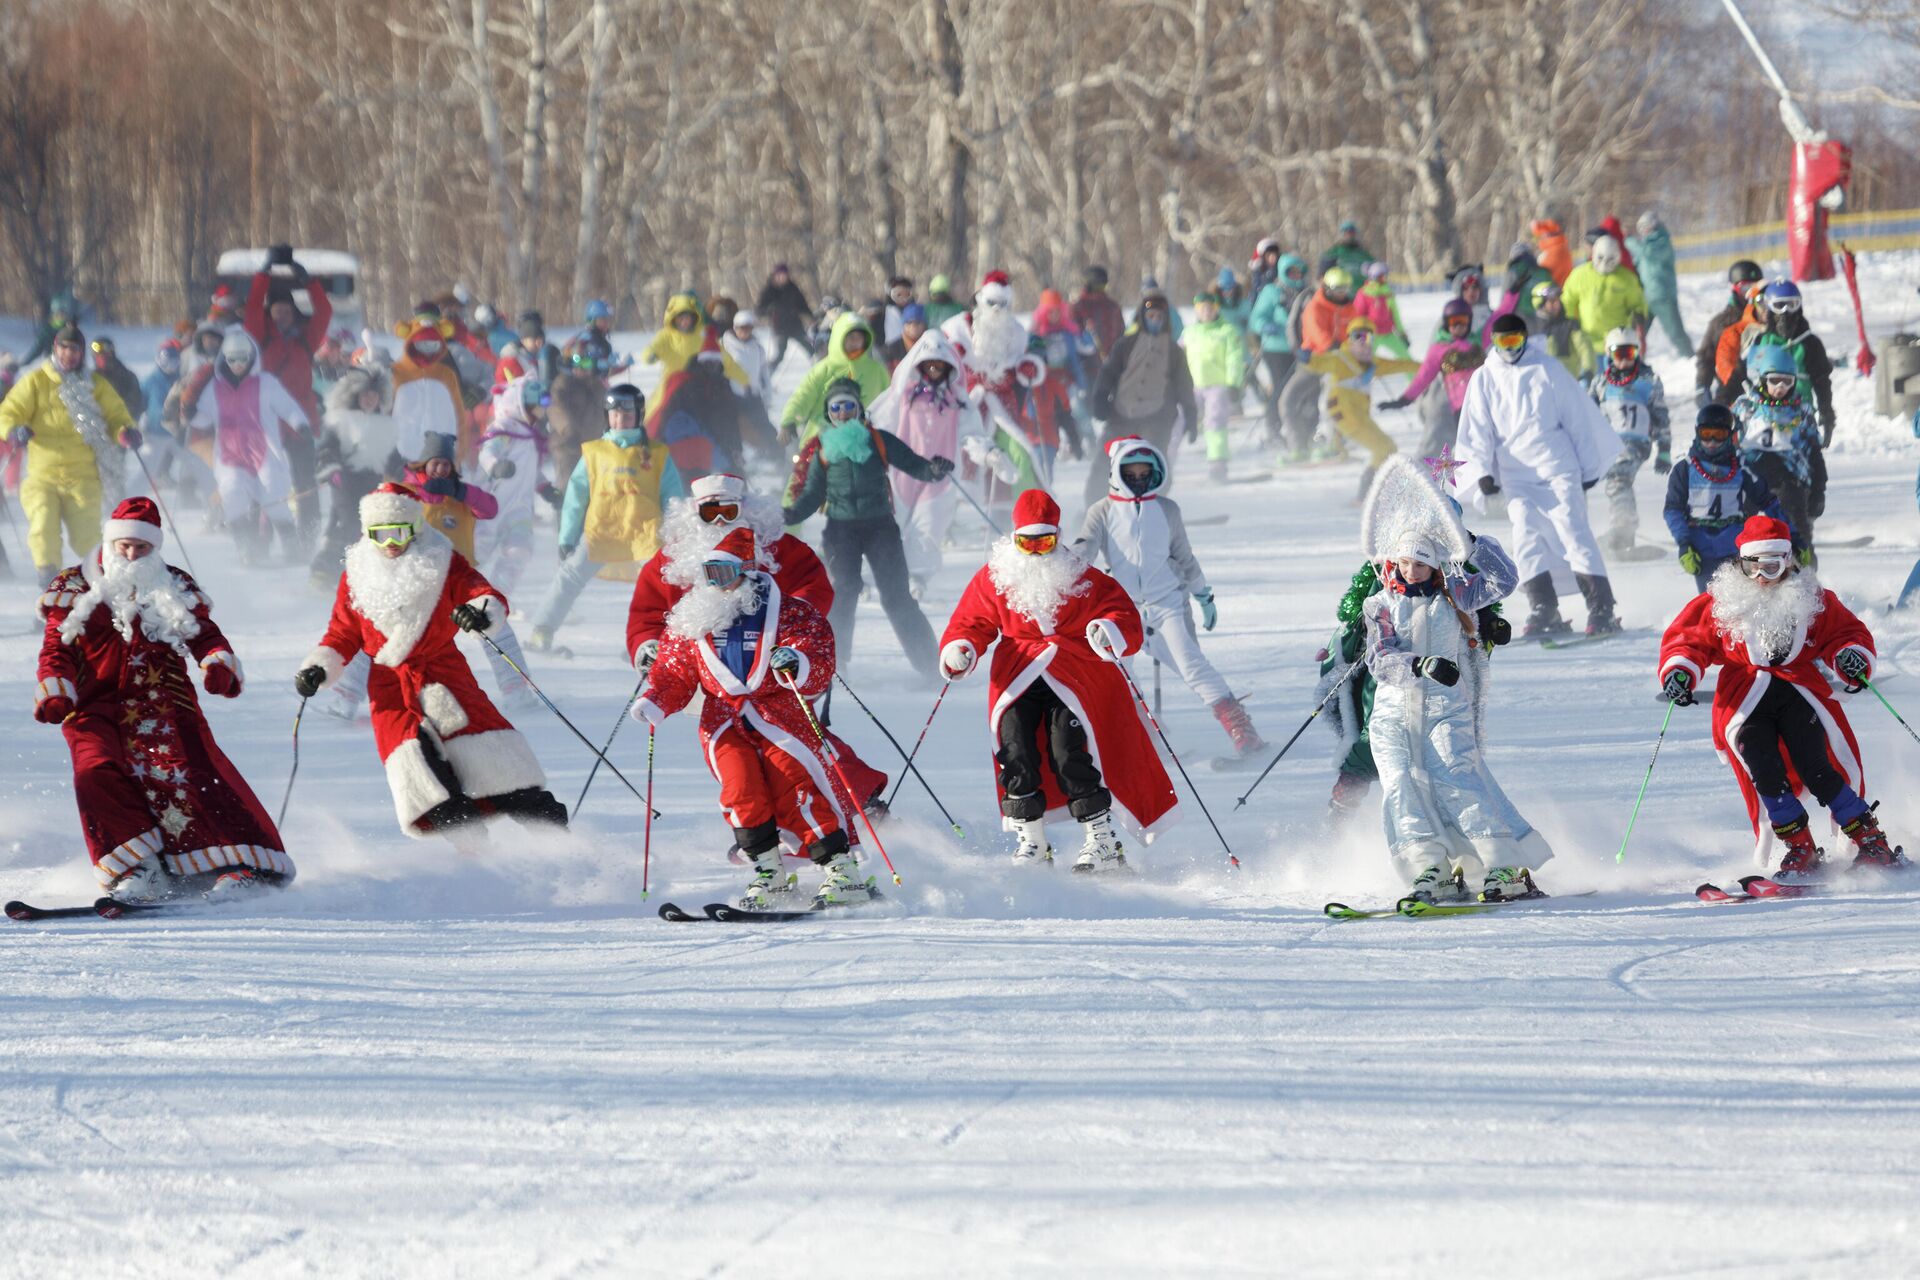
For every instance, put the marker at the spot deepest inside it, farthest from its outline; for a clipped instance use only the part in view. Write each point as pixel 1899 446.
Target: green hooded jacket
pixel 806 412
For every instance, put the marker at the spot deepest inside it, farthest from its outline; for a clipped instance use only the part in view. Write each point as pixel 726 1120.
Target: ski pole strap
pixel 1620 855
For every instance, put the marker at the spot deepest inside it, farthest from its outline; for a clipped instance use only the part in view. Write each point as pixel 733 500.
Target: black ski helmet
pixel 624 395
pixel 1745 271
pixel 1715 414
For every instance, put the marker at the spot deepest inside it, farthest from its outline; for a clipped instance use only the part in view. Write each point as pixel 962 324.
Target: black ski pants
pixel 843 545
pixel 1036 712
pixel 1785 718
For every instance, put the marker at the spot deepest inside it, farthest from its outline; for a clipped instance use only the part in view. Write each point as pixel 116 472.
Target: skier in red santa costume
pixel 718 504
pixel 1001 371
pixel 451 758
pixel 1775 717
pixel 1065 732
pixel 755 652
pixel 164 811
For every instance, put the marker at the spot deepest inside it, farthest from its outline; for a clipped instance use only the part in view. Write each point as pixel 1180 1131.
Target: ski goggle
pixel 1783 306
pixel 1626 355
pixel 622 404
pixel 1772 566
pixel 1458 325
pixel 842 408
pixel 392 535
pixel 1036 544
pixel 1778 384
pixel 723 573
pixel 713 511
pixel 1712 437
pixel 1510 339
pixel 103 346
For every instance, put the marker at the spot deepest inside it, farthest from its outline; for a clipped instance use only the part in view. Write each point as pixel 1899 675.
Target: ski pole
pixel 608 747
pixel 1337 686
pixel 1157 708
pixel 172 523
pixel 1890 711
pixel 975 504
pixel 1195 791
pixel 1620 855
pixel 295 771
pixel 902 781
pixel 646 845
pixel 541 694
pixel 903 753
pixel 827 751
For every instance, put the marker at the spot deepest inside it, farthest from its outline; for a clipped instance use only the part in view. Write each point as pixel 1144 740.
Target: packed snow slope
pixel 416 1063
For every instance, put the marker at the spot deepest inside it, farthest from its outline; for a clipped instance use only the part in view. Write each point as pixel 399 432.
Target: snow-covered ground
pixel 422 1064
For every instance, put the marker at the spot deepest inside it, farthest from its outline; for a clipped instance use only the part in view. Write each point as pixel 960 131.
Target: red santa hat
pixel 1035 512
pixel 390 504
pixel 1763 535
pixel 134 518
pixel 722 486
pixel 710 347
pixel 736 546
pixel 996 287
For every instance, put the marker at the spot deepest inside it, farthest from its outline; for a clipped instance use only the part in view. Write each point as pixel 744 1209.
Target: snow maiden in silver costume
pixel 1443 809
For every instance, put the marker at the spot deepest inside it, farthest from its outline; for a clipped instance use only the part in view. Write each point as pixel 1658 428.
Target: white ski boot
pixel 145 881
pixel 1438 884
pixel 1509 884
pixel 843 886
pixel 772 886
pixel 1034 849
pixel 1101 850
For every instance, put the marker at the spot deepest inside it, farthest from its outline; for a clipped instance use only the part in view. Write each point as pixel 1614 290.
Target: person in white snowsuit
pixel 1529 431
pixel 513 455
pixel 247 410
pixel 1447 821
pixel 928 407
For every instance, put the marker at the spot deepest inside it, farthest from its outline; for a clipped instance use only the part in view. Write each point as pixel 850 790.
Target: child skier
pixel 756 654
pixel 1631 396
pixel 1452 357
pixel 1217 359
pixel 1712 495
pixel 1564 340
pixel 1066 734
pixel 1375 302
pixel 1780 438
pixel 513 456
pixel 1058 341
pixel 1776 719
pixel 451 759
pixel 1144 540
pixel 1448 824
pixel 1349 370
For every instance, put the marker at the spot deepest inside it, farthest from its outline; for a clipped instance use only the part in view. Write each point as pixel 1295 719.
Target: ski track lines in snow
pixel 422 1064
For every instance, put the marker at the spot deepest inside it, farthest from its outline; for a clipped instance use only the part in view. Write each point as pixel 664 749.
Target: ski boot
pixel 1602 622
pixel 236 884
pixel 1509 884
pixel 1545 624
pixel 1295 458
pixel 145 881
pixel 1870 843
pixel 1329 450
pixel 1438 884
pixel 1233 717
pixel 772 885
pixel 843 885
pixel 1102 850
pixel 1803 858
pixel 1034 849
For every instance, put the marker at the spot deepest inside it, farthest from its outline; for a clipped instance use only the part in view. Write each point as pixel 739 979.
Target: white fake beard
pixel 1037 585
pixel 142 590
pixel 706 609
pixel 1768 618
pixel 686 538
pixel 398 594
pixel 999 340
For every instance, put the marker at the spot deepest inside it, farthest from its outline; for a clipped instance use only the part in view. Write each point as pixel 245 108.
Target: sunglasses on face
pixel 391 535
pixel 1771 566
pixel 723 573
pixel 843 409
pixel 1036 544
pixel 719 512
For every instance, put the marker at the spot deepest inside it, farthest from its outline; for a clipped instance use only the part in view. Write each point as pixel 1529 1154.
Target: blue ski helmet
pixel 598 310
pixel 1782 296
pixel 1770 357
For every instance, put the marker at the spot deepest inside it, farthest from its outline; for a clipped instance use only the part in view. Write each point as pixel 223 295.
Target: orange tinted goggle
pixel 1511 340
pixel 1036 544
pixel 714 512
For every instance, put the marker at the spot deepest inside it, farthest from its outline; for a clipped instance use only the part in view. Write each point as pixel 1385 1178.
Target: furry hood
pixel 344 395
pixel 398 596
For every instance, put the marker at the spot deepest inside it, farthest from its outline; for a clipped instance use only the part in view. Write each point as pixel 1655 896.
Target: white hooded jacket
pixel 1530 426
pixel 1143 538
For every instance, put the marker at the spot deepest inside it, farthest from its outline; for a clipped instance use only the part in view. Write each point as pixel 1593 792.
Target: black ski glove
pixel 308 681
pixel 1489 486
pixel 447 487
pixel 1439 670
pixel 940 468
pixel 280 255
pixel 1494 629
pixel 1398 402
pixel 469 617
pixel 1678 688
pixel 548 494
pixel 1663 461
pixel 1854 666
pixel 1588 484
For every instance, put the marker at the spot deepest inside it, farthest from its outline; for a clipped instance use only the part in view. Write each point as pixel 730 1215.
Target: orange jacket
pixel 1728 356
pixel 1552 252
pixel 1323 326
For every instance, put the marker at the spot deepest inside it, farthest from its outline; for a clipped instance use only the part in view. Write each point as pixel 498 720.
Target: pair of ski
pixel 1421 909
pixel 100 908
pixel 1757 889
pixel 727 913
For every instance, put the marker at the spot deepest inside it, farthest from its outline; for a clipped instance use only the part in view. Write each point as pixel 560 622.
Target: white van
pixel 338 273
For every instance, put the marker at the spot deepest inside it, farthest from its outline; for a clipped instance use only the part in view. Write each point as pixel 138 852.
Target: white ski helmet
pixel 237 349
pixel 1606 255
pixel 1622 337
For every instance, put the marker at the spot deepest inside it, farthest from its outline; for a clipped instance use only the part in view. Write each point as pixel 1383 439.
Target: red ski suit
pixel 759 743
pixel 420 683
pixel 147 774
pixel 1693 643
pixel 1093 687
pixel 801 576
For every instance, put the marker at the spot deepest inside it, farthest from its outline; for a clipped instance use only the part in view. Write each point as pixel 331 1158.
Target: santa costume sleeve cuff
pixel 646 712
pixel 55 687
pixel 329 661
pixel 224 658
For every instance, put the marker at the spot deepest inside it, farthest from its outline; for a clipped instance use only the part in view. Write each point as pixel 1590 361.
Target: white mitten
pixel 979 393
pixel 976 449
pixel 646 713
pixel 1004 468
pixel 957 659
pixel 1104 635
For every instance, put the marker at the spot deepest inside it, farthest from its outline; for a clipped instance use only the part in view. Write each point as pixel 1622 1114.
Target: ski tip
pixel 108 909
pixel 1711 893
pixel 17 910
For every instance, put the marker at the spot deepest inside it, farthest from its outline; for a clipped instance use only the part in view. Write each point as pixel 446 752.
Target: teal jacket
pixel 1269 319
pixel 1653 255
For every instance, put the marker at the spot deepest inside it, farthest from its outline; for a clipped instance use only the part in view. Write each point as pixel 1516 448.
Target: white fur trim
pixel 1115 646
pixel 1766 547
pixel 58 687
pixel 328 660
pixel 493 763
pixel 647 712
pixel 413 784
pixel 389 508
pixel 119 861
pixel 1686 664
pixel 442 710
pixel 717 484
pixel 223 658
pixel 111 529
pixel 221 856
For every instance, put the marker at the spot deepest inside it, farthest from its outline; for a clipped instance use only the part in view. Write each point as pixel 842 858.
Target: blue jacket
pixel 155 387
pixel 1705 510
